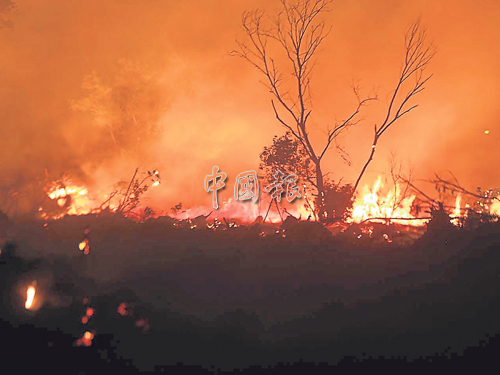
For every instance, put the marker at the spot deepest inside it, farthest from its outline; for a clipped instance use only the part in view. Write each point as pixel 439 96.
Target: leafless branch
pixel 418 55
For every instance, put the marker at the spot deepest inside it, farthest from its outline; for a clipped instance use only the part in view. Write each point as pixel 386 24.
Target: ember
pixel 122 309
pixel 86 339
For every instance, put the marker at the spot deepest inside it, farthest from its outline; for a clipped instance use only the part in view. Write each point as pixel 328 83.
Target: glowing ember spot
pixel 30 296
pixel 143 323
pixel 156 183
pixel 122 309
pixel 90 312
pixel 61 202
pixel 82 244
pixel 85 320
pixel 374 204
pixel 86 339
pixel 486 132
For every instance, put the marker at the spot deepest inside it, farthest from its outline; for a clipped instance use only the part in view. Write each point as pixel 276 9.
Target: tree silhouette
pixel 298 33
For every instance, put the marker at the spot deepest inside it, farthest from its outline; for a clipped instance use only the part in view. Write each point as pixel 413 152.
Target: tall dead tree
pixel 298 33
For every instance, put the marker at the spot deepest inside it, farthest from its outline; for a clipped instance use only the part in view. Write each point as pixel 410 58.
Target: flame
pixel 374 204
pixel 495 207
pixel 71 198
pixel 457 211
pixel 30 296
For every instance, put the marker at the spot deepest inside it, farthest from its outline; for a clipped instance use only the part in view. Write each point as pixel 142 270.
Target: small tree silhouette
pixel 132 193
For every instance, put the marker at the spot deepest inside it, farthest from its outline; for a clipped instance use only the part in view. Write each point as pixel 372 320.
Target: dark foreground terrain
pixel 247 299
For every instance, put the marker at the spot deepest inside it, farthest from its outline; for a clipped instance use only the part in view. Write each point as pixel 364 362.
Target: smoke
pixel 93 90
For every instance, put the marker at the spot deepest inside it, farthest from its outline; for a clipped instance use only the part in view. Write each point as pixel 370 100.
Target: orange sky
pixel 166 64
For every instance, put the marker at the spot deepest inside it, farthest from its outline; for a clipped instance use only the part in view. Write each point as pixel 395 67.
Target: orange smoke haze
pixel 95 89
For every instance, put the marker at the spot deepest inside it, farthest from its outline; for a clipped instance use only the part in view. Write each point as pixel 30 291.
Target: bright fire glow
pixel 87 338
pixel 72 196
pixel 82 245
pixel 30 296
pixel 495 207
pixel 247 212
pixel 374 204
pixel 457 211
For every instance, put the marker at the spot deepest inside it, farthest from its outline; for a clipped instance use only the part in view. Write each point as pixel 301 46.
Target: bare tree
pixel 417 57
pixel 299 35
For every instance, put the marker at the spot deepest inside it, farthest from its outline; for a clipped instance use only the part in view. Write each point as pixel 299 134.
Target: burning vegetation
pixel 358 259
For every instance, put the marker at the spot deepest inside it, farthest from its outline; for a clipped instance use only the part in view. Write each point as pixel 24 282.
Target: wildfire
pixel 30 296
pixel 394 204
pixel 70 199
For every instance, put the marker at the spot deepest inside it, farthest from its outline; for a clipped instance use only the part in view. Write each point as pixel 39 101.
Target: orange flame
pixel 457 212
pixel 66 194
pixel 374 204
pixel 30 296
pixel 495 207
